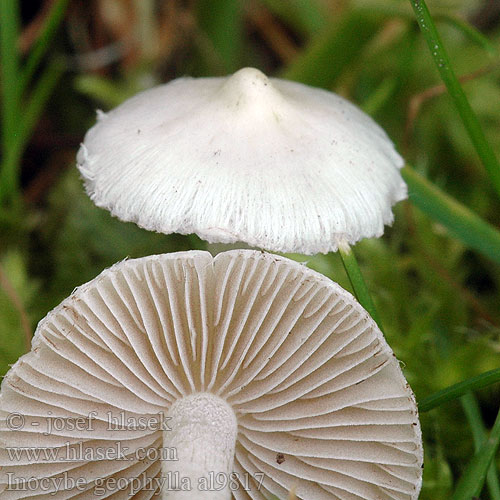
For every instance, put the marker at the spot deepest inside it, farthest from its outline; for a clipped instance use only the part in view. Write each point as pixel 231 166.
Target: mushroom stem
pixel 357 281
pixel 199 448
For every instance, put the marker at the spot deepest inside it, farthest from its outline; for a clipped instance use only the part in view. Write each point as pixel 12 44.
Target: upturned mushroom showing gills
pixel 187 376
pixel 273 163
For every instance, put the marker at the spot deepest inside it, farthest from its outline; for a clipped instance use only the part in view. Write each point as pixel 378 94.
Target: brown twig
pixel 418 100
pixel 31 32
pixel 48 176
pixel 488 15
pixel 272 32
pixel 16 301
pixel 466 295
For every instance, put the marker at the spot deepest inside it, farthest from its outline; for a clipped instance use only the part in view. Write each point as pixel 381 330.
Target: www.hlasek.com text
pixel 80 452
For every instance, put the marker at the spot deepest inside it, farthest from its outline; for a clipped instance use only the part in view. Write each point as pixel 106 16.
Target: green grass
pixel 433 279
pixel 476 424
pixel 358 283
pixel 447 73
pixel 22 106
pixel 460 389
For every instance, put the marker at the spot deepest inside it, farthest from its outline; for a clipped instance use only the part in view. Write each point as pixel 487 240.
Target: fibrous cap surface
pixel 273 163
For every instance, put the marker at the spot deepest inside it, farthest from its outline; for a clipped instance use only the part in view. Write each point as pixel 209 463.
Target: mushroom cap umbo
pixel 273 163
pixel 318 400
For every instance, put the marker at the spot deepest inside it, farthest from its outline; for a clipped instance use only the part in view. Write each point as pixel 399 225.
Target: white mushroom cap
pixel 276 164
pixel 273 377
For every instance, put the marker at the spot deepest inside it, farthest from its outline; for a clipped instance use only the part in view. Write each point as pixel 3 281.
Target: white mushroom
pixel 271 378
pixel 276 164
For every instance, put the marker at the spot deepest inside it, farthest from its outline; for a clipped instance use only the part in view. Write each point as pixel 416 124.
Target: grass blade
pixel 471 409
pixel 458 219
pixel 469 31
pixel 306 16
pixel 358 283
pixel 47 33
pixel 329 54
pixel 380 96
pixel 457 390
pixel 9 68
pixel 223 23
pixel 9 173
pixel 472 480
pixel 449 78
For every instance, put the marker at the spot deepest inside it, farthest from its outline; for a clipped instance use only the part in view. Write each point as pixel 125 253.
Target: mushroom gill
pixel 184 375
